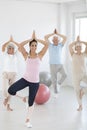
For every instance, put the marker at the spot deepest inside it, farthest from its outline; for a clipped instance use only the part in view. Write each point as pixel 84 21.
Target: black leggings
pixel 21 84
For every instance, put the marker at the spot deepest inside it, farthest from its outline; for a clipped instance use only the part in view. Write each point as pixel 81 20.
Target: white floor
pixel 56 114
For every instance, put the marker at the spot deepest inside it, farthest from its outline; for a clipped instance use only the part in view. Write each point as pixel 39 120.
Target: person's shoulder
pixel 5 53
pixel 84 54
pixel 16 52
pixel 51 44
pixel 61 44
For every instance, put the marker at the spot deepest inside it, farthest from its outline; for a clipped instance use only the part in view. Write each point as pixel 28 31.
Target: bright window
pixel 81 28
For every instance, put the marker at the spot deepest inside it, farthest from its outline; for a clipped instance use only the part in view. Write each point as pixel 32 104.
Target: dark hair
pixel 32 41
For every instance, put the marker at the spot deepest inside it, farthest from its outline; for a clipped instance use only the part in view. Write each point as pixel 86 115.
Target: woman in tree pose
pixel 31 76
pixel 78 68
pixel 9 68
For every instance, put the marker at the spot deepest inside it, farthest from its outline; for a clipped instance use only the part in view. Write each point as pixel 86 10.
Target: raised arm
pixel 44 49
pixel 44 43
pixel 8 42
pixel 27 41
pixel 71 47
pixel 74 44
pixel 22 44
pixel 64 38
pixel 11 40
pixel 22 48
pixel 86 48
pixel 46 37
pixel 5 45
pixel 85 43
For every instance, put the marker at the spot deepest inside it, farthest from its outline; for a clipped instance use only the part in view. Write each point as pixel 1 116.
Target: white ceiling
pixel 49 1
pixel 55 1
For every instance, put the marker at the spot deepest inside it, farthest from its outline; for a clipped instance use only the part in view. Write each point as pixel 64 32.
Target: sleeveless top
pixel 32 70
pixel 78 65
pixel 10 63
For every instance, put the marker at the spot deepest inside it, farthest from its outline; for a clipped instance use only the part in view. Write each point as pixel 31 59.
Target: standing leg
pixel 77 90
pixel 83 89
pixel 29 114
pixel 11 80
pixel 54 77
pixel 63 74
pixel 5 81
pixel 33 88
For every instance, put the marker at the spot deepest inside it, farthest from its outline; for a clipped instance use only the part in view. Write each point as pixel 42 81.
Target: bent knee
pixel 11 92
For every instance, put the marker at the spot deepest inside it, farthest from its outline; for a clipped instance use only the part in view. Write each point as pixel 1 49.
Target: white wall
pixel 20 18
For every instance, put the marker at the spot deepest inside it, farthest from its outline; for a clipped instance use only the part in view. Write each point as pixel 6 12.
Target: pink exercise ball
pixel 43 94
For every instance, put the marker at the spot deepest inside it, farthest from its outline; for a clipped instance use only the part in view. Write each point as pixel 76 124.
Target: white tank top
pixel 10 63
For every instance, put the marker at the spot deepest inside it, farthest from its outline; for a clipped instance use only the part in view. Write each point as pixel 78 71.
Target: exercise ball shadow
pixel 45 78
pixel 42 95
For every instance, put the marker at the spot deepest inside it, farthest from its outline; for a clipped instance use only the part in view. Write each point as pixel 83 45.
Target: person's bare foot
pixel 5 101
pixel 27 120
pixel 81 93
pixel 80 108
pixel 9 108
pixel 24 99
